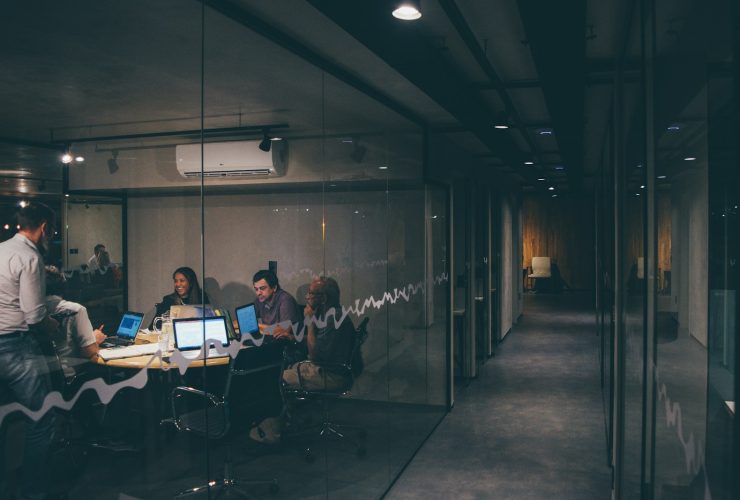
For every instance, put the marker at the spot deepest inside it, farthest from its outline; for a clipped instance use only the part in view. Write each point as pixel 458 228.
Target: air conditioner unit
pixel 232 159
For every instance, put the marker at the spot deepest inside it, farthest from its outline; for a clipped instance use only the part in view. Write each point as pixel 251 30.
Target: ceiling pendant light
pixel 407 10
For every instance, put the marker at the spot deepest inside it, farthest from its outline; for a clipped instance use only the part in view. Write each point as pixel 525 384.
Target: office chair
pixel 209 415
pixel 350 369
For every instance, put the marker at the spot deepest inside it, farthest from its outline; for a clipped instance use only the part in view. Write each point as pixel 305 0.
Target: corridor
pixel 532 425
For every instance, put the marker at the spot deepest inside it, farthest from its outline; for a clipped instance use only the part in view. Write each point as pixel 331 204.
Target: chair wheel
pixel 361 451
pixel 274 488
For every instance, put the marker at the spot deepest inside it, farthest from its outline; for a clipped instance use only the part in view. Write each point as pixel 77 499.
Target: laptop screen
pixel 189 333
pixel 246 316
pixel 130 324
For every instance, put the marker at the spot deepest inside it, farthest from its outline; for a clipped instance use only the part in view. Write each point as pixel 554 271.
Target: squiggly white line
pixel 107 392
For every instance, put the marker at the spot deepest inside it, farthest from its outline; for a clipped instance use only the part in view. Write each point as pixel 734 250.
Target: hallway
pixel 532 425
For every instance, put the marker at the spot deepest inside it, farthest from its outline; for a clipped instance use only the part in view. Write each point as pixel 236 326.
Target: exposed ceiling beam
pixel 556 35
pixel 405 47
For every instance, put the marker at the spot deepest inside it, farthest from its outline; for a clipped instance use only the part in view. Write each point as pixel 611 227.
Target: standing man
pixel 23 316
pixel 93 263
pixel 276 309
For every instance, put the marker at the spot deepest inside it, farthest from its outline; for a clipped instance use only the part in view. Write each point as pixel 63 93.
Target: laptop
pixel 190 332
pixel 127 330
pixel 246 317
pixel 191 311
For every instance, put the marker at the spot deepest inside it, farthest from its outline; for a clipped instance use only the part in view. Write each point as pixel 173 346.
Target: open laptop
pixel 246 318
pixel 127 330
pixel 190 332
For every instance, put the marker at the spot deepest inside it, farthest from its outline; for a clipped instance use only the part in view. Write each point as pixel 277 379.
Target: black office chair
pixel 208 415
pixel 350 369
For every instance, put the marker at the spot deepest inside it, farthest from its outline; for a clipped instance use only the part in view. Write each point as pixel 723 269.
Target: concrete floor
pixel 532 425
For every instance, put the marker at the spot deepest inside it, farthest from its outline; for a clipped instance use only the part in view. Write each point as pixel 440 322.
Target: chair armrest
pixel 336 367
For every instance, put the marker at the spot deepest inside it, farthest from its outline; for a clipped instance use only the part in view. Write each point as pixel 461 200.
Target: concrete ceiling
pixel 79 69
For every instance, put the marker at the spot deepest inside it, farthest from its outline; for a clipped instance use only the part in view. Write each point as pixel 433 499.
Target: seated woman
pixel 187 291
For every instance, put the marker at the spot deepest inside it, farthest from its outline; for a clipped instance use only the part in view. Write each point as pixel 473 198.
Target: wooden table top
pixel 153 362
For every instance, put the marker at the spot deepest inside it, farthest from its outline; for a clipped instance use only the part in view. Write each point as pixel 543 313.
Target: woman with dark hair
pixel 187 291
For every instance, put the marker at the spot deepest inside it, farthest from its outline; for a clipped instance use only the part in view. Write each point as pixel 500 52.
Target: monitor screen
pixel 130 324
pixel 189 333
pixel 246 316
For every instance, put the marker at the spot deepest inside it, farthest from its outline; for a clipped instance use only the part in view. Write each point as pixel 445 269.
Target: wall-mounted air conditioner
pixel 232 159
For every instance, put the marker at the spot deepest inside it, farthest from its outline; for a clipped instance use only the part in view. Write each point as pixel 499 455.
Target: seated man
pixel 81 342
pixel 276 309
pixel 328 343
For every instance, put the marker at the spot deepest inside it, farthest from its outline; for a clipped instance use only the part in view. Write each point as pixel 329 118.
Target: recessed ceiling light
pixel 67 158
pixel 637 194
pixel 276 138
pixel 639 165
pixel 551 188
pixel 673 127
pixel 407 10
pixel 690 158
pixel 79 159
pixel 662 176
pixel 501 126
pixel 554 196
pixel 642 187
pixel 541 179
pixel 544 131
pixel 383 167
pixel 529 163
pixel 559 167
pixel 66 195
pixel 23 203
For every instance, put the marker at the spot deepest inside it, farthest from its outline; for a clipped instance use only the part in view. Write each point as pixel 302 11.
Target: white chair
pixel 541 268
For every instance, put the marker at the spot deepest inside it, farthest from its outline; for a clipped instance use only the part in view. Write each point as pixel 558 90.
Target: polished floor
pixel 532 425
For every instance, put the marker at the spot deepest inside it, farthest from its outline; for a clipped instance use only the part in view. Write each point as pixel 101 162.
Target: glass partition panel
pixel 633 278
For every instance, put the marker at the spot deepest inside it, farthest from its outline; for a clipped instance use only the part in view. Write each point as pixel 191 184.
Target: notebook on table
pixel 127 330
pixel 191 332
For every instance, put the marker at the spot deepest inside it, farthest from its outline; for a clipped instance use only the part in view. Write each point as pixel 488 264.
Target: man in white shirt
pixel 93 263
pixel 23 316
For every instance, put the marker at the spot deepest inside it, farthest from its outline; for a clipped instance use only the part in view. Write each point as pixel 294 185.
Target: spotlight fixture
pixel 501 122
pixel 407 10
pixel 113 162
pixel 265 143
pixel 358 151
pixel 67 158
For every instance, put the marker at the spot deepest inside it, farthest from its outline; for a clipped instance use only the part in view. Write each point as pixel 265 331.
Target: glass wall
pixel 211 152
pixel 674 372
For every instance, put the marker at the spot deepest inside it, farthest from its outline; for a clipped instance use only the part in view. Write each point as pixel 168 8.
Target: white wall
pixel 689 246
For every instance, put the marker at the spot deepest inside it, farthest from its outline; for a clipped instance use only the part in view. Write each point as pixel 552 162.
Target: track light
pixel 407 10
pixel 358 151
pixel 113 162
pixel 266 143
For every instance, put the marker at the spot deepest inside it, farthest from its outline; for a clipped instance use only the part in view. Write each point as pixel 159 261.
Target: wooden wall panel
pixel 563 229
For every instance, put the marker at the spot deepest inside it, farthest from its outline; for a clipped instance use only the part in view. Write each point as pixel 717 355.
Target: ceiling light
pixel 265 143
pixel 276 139
pixel 501 126
pixel 6 226
pixel 662 176
pixel 541 179
pixel 383 167
pixel 551 188
pixel 559 167
pixel 407 10
pixel 674 127
pixel 67 158
pixel 529 163
pixel 79 159
pixel 66 195
pixel 554 196
pixel 690 158
pixel 642 187
pixel 23 203
pixel 544 131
